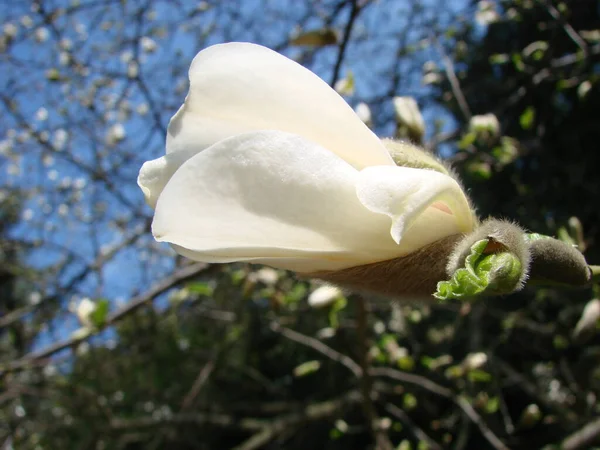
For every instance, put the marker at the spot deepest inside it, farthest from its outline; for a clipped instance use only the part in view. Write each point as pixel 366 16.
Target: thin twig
pixel 453 79
pixel 434 388
pixel 317 345
pixel 416 430
pixel 199 382
pixel 568 28
pixel 175 279
pixel 379 435
pixel 354 11
pixel 585 437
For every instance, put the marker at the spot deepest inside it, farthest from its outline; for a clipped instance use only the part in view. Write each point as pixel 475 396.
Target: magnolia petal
pixel 273 198
pixel 154 175
pixel 405 194
pixel 242 87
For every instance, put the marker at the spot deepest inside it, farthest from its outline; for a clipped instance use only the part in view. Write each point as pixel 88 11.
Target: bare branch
pixel 317 345
pixel 175 279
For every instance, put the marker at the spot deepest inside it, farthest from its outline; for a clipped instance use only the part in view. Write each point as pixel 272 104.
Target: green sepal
pixel 483 273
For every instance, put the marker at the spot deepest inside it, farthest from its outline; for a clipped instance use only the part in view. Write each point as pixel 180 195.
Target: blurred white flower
pixel 324 296
pixel 48 160
pixel 431 78
pixel 41 114
pixel 266 275
pixel 60 139
pixel 64 58
pixel 267 164
pixel 35 297
pixel 126 56
pixel 363 112
pixel 148 44
pixel 475 361
pixel 5 147
pixel 409 116
pixel 486 13
pixel 84 310
pixel 27 214
pixel 485 123
pixel 66 44
pixel 142 109
pixel 10 30
pixel 42 34
pixel 133 69
pixel 27 21
pixel 79 183
pixel 115 134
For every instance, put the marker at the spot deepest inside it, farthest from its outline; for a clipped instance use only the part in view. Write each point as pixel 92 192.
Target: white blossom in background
pixel 35 298
pixel 485 123
pixel 148 44
pixel 79 183
pixel 81 30
pixel 5 147
pixel 84 310
pixel 115 134
pixel 266 275
pixel 10 30
pixel 60 139
pixel 133 69
pixel 126 56
pixel 431 73
pixel 486 13
pixel 47 160
pixel 13 169
pixel 142 109
pixel 66 44
pixel 42 34
pixel 363 112
pixel 303 186
pixel 408 114
pixel 324 296
pixel 27 21
pixel 27 214
pixel 41 114
pixel 64 58
pixel 475 361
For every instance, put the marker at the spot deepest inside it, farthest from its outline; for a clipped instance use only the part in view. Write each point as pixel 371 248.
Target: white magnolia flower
pixel 266 163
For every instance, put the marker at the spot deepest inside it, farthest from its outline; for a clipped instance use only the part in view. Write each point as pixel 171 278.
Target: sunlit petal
pixel 241 87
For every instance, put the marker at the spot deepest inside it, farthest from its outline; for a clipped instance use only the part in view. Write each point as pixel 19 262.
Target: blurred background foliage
pixel 109 341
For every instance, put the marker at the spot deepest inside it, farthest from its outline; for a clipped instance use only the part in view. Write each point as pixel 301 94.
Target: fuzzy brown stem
pixel 415 275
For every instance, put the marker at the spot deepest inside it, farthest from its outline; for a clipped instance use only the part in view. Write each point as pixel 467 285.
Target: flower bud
pixel 485 124
pixel 588 322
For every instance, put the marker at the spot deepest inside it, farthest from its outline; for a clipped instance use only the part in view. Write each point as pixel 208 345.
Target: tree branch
pixel 180 276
